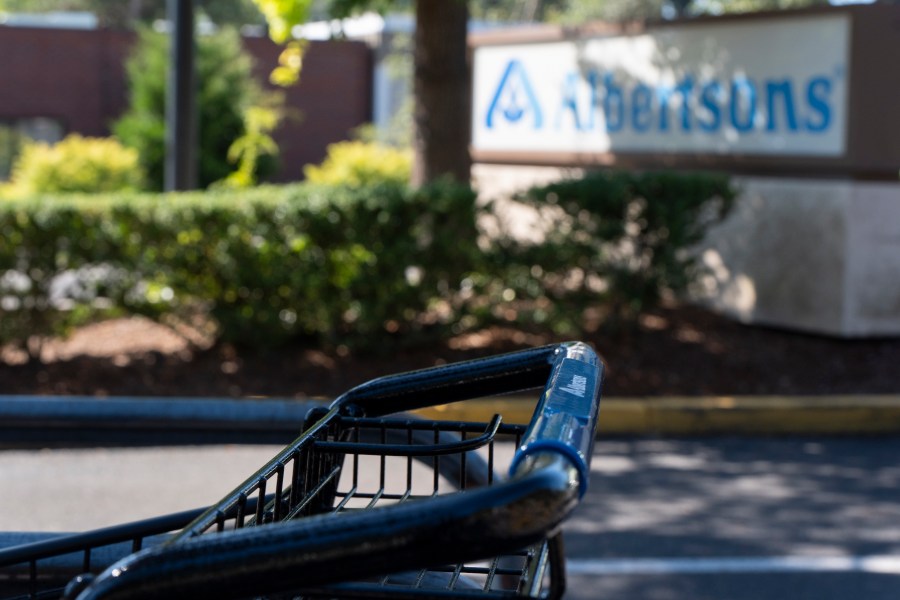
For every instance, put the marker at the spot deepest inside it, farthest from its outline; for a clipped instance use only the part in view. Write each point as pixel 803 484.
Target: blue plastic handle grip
pixel 565 419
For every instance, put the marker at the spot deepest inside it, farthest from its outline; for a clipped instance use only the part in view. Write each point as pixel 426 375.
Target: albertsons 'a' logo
pixel 514 99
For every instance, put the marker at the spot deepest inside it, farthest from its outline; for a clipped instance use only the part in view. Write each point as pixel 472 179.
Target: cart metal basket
pixel 367 503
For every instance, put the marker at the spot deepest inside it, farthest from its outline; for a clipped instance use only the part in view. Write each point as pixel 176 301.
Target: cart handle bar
pixel 565 418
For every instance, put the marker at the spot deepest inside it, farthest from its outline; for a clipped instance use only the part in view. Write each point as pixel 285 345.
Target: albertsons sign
pixel 751 87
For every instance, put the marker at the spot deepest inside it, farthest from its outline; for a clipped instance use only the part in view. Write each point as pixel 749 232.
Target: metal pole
pixel 180 167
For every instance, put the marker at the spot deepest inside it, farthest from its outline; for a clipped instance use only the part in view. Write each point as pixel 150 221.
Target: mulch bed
pixel 678 350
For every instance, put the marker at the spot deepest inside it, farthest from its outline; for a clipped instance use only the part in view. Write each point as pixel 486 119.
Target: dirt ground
pixel 679 350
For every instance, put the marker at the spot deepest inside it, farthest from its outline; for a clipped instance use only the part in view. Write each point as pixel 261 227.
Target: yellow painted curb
pixel 725 415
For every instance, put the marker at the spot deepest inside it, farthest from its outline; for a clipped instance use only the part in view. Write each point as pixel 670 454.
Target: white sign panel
pixel 775 87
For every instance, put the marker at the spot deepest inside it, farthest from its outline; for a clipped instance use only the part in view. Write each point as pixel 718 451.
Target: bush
pixel 51 264
pixel 267 264
pixel 361 163
pixel 614 241
pixel 75 164
pixel 337 264
pixel 353 265
pixel 226 88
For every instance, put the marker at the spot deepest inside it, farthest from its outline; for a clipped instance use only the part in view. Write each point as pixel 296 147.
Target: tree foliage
pixel 252 149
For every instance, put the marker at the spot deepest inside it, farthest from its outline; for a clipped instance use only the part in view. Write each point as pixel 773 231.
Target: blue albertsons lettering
pixel 743 92
pixel 570 100
pixel 771 105
pixel 578 386
pixel 711 99
pixel 705 106
pixel 817 93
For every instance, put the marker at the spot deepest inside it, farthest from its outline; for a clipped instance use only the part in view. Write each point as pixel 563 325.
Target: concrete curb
pixel 31 421
pixel 723 415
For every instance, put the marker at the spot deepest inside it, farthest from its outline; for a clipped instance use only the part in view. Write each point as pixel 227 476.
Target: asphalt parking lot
pixel 714 518
pixel 730 518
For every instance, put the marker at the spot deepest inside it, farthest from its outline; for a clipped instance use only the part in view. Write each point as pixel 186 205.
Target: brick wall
pixel 73 76
pixel 77 77
pixel 332 98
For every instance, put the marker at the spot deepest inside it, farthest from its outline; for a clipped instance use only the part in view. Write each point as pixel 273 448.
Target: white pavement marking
pixel 880 564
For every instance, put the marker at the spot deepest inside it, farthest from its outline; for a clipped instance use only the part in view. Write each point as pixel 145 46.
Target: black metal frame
pixel 316 543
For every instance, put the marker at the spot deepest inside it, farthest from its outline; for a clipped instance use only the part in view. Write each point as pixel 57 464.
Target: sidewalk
pixel 720 415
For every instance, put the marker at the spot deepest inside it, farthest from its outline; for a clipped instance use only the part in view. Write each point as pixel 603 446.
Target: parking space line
pixel 880 564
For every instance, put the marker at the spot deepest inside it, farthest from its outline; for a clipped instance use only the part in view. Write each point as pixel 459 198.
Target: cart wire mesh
pixel 346 465
pixel 356 464
pixel 365 491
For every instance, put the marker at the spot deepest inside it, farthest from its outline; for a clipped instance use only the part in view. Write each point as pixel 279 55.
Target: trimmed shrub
pixel 267 264
pixel 359 164
pixel 51 264
pixel 613 241
pixel 361 266
pixel 75 164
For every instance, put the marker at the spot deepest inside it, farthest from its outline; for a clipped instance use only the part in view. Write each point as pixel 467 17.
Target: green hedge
pixel 352 266
pixel 267 265
pixel 614 243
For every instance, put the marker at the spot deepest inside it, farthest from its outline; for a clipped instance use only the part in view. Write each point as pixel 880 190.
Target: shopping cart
pixel 365 504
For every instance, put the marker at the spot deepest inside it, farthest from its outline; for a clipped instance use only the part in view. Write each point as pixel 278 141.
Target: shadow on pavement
pixel 703 498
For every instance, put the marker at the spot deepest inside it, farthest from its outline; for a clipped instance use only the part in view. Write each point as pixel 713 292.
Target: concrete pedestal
pixel 814 255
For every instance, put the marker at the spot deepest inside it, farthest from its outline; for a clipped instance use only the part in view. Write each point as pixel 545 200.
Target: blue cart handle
pixel 565 419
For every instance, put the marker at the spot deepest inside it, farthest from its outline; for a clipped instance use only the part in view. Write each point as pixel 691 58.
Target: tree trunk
pixel 441 86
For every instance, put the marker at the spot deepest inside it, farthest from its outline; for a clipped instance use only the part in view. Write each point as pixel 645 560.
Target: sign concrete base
pixel 816 255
